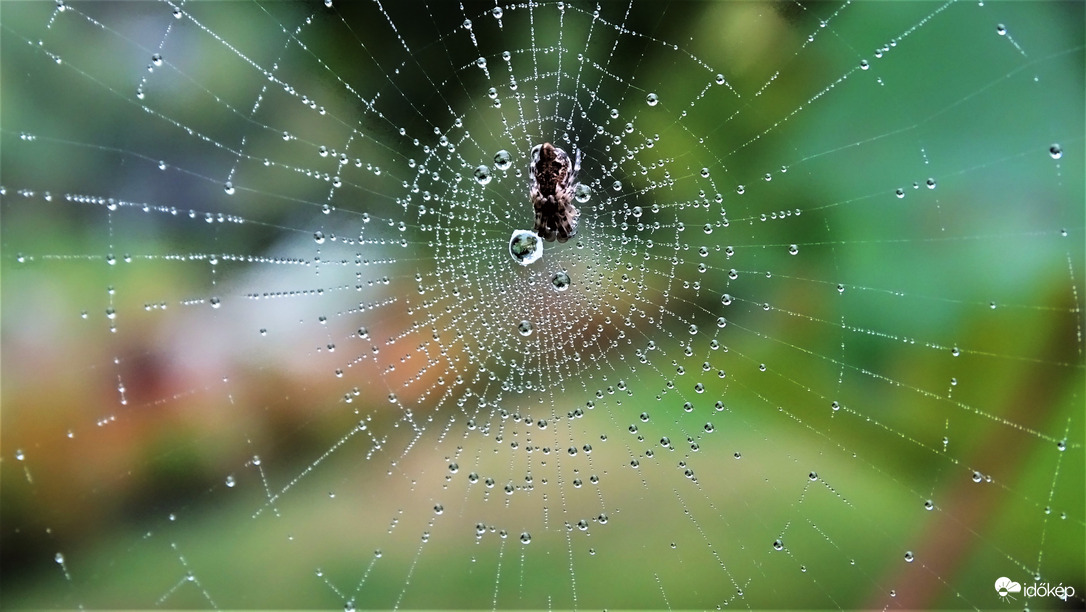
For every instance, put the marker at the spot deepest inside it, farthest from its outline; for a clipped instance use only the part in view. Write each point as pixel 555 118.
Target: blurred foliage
pixel 127 489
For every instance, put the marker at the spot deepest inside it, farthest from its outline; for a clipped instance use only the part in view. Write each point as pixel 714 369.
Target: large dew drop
pixel 482 175
pixel 502 160
pixel 561 281
pixel 525 247
pixel 582 193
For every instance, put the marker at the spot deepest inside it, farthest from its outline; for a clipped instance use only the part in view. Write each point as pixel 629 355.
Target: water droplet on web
pixel 230 482
pixel 1056 151
pixel 482 174
pixel 929 505
pixel 1001 29
pixel 617 185
pixel 525 247
pixel 793 249
pixel 652 99
pixel 228 187
pixel 778 545
pixel 978 477
pixel 156 59
pixel 318 237
pixel 908 556
pixel 560 281
pixel 525 328
pixel 502 160
pixel 1061 445
pixel 582 193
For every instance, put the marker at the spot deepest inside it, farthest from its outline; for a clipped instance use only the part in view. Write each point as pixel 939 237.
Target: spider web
pixel 818 341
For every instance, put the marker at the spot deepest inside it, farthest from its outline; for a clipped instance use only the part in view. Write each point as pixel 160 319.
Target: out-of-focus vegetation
pixel 117 445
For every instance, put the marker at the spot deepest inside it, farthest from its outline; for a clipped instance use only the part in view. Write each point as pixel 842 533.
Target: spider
pixel 551 185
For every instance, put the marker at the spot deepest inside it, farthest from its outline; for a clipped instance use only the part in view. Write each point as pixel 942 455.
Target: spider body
pixel 551 185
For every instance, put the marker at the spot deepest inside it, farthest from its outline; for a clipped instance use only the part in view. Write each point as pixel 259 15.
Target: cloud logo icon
pixel 1005 586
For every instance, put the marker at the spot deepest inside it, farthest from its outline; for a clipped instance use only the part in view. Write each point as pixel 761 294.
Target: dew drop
pixel 778 545
pixel 1056 151
pixel 156 59
pixel 525 328
pixel 793 249
pixel 525 247
pixel 908 556
pixel 652 99
pixel 482 174
pixel 617 185
pixel 1001 29
pixel 560 281
pixel 582 192
pixel 502 160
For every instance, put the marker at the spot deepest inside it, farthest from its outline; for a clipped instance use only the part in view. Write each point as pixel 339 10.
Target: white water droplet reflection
pixel 525 247
pixel 482 174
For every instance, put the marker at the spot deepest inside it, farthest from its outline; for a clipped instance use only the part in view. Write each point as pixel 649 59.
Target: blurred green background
pixel 202 448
